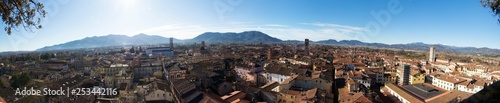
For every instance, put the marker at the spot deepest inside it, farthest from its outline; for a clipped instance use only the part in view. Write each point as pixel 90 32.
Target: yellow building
pixel 390 77
pixel 417 78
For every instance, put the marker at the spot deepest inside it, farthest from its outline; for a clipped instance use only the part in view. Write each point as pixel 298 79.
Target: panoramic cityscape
pixel 217 51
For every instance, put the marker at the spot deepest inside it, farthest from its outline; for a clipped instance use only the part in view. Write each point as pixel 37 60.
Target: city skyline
pixel 250 51
pixel 457 23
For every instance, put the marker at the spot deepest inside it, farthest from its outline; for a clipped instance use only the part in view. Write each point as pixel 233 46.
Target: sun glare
pixel 127 3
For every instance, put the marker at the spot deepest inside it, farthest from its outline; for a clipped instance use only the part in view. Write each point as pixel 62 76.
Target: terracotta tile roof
pixel 402 93
pixel 349 97
pixel 451 79
pixel 363 99
pixel 279 69
pixel 451 95
pixel 270 86
pixel 2 100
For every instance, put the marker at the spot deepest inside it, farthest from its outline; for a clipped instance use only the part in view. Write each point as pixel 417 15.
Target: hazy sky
pixel 450 22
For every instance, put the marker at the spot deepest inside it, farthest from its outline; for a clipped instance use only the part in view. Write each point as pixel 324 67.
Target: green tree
pixel 494 5
pixel 52 55
pixel 132 50
pixel 44 56
pixel 20 80
pixel 27 13
pixel 1 83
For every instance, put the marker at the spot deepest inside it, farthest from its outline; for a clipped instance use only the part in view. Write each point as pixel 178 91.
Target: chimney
pixel 171 43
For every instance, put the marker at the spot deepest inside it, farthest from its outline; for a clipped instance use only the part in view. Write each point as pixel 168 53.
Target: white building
pixel 275 77
pixel 114 69
pixel 244 72
pixel 293 61
pixel 447 82
pixel 469 88
pixel 472 86
pixel 278 73
pixel 167 51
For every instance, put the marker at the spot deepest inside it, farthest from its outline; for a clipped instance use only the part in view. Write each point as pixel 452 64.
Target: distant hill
pixel 247 37
pixel 415 46
pixel 243 37
pixel 110 40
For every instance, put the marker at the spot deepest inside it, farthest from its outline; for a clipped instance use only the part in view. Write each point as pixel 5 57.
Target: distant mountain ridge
pixel 245 37
pixel 416 46
pixel 109 40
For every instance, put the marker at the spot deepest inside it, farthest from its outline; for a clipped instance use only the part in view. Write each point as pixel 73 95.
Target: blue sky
pixel 449 22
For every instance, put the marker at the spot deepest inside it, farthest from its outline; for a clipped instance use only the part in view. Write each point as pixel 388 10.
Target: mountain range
pixel 108 40
pixel 246 37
